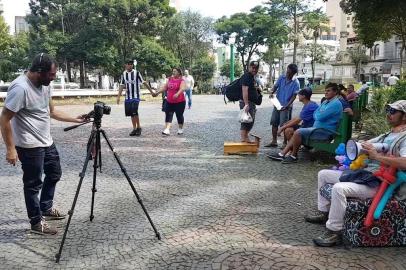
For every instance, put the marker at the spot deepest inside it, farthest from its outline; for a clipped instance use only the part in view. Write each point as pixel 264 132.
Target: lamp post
pixel 231 41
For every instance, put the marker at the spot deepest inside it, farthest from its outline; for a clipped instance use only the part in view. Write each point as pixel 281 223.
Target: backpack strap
pixel 395 145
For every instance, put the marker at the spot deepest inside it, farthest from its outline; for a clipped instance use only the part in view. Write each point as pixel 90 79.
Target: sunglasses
pixel 390 110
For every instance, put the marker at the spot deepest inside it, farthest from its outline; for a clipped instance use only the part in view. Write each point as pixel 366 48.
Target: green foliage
pixel 205 88
pixel 203 70
pixel 155 59
pixel 293 14
pixel 225 69
pixel 252 30
pixel 188 35
pixel 374 120
pixel 94 33
pixel 358 57
pixel 15 59
pixel 5 38
pixel 378 20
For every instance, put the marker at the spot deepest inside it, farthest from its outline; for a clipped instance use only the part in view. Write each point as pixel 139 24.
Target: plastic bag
pixel 245 117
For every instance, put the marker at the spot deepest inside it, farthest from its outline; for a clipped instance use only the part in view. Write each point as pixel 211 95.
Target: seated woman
pixel 326 119
pixel 305 118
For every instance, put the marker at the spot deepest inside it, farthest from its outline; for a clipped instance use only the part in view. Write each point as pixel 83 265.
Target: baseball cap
pixel 307 92
pixel 254 64
pixel 399 105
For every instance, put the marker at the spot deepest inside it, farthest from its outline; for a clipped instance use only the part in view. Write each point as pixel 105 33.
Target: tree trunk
pixel 401 58
pixel 69 71
pixel 271 68
pixel 296 38
pixel 82 74
pixel 313 70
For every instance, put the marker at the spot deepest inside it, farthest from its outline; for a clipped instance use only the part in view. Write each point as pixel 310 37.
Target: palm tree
pixel 315 23
pixel 358 56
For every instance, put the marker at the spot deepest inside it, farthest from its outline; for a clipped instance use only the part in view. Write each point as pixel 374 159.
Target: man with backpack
pixel 249 98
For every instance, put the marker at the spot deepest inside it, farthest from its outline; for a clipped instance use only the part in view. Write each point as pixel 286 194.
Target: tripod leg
pixel 131 184
pixel 95 166
pixel 72 209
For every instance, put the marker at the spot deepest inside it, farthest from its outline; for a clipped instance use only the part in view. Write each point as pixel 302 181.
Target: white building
pixel 21 24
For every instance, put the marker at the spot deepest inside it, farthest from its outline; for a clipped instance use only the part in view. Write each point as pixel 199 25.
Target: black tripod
pixel 94 152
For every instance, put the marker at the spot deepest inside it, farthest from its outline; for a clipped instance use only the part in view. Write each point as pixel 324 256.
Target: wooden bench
pixel 342 135
pixel 237 148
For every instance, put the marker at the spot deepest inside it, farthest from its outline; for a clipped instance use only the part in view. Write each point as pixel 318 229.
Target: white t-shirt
pixel 392 80
pixel 189 81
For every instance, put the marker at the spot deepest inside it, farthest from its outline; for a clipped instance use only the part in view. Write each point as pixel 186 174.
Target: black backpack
pixel 233 91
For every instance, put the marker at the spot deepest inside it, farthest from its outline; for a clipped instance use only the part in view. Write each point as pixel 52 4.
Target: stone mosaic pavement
pixel 213 211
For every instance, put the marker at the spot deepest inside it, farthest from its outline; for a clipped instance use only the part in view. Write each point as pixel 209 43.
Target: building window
pixel 376 51
pixel 333 29
pixel 348 18
pixel 348 26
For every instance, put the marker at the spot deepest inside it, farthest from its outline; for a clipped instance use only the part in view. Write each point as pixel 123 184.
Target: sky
pixel 209 8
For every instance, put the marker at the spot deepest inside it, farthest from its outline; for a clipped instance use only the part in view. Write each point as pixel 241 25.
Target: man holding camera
pixel 131 80
pixel 332 212
pixel 25 127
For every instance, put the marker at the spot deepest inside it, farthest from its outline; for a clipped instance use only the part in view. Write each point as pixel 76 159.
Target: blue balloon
pixel 401 178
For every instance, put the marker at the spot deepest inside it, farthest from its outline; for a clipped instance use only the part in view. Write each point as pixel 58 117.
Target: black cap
pixel 129 62
pixel 307 92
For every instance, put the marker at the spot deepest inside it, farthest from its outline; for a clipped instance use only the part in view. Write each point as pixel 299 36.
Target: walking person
pixel 131 80
pixel 25 126
pixel 286 88
pixel 175 101
pixel 190 84
pixel 161 83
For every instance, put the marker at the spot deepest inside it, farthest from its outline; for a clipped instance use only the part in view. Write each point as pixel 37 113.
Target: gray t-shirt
pixel 32 123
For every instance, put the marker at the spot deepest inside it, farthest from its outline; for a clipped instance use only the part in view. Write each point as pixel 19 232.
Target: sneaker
pixel 134 132
pixel 329 238
pixel 53 214
pixel 166 132
pixel 289 159
pixel 43 228
pixel 138 132
pixel 180 131
pixel 276 156
pixel 272 144
pixel 319 217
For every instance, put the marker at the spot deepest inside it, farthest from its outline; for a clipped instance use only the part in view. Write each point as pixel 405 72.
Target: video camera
pixel 99 109
pixel 353 148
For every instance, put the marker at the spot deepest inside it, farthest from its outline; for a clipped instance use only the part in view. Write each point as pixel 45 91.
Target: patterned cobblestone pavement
pixel 213 211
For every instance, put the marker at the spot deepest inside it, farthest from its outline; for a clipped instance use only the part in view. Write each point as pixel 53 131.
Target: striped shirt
pixel 132 83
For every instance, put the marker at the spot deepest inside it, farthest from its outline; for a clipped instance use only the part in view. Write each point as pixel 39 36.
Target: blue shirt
pixel 306 115
pixel 285 89
pixel 328 114
pixel 344 103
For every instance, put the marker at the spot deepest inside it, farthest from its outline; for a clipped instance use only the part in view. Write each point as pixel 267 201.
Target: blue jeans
pixel 316 134
pixel 34 162
pixel 188 94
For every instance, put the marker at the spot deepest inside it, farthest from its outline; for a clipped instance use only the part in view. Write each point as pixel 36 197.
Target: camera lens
pixel 106 109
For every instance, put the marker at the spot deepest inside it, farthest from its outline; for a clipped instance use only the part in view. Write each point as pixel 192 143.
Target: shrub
pixel 374 120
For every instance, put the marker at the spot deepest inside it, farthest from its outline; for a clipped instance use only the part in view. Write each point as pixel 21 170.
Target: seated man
pixel 364 88
pixel 326 119
pixel 333 211
pixel 305 119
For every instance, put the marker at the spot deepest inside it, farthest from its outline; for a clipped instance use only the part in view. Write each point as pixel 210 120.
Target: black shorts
pixel 131 107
